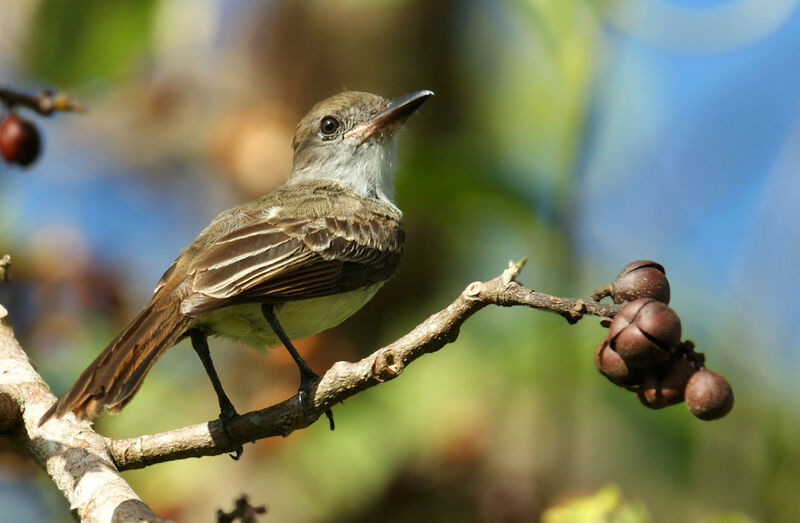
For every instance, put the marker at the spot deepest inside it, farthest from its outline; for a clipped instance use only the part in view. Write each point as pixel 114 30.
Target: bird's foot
pixel 308 379
pixel 226 414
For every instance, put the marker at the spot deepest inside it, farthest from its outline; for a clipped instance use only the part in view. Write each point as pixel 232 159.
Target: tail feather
pixel 113 378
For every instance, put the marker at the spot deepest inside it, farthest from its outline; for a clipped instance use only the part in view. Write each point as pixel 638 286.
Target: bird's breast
pixel 246 324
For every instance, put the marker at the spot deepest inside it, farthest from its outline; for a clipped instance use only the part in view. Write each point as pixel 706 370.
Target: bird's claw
pixel 227 414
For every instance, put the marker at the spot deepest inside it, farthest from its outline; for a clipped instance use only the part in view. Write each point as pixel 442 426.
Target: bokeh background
pixel 581 134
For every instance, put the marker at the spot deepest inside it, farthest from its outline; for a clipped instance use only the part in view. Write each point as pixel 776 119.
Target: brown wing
pixel 331 242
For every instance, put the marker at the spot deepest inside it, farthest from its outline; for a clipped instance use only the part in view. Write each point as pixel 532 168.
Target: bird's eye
pixel 329 125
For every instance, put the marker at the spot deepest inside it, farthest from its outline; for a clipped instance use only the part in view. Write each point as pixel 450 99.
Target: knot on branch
pixel 473 290
pixel 387 366
pixel 10 414
pixel 575 314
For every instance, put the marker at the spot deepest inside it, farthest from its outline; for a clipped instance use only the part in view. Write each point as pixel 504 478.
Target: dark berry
pixel 641 279
pixel 19 140
pixel 644 332
pixel 664 385
pixel 612 366
pixel 708 395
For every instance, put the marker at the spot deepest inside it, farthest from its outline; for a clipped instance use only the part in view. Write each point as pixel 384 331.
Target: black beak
pixel 394 114
pixel 401 108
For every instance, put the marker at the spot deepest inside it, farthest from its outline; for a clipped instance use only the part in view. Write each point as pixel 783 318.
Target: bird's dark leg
pixel 226 410
pixel 307 376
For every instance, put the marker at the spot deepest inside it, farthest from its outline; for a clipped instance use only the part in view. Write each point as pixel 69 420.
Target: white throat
pixel 367 168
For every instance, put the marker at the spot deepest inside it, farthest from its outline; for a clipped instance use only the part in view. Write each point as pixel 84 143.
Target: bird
pixel 297 261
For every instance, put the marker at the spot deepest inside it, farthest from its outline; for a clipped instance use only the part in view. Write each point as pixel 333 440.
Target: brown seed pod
pixel 664 385
pixel 20 142
pixel 641 279
pixel 612 366
pixel 708 395
pixel 644 332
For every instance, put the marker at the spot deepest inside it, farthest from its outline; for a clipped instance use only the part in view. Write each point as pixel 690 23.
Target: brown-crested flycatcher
pixel 295 262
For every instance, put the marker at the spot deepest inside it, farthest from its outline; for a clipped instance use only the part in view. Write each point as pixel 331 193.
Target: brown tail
pixel 116 374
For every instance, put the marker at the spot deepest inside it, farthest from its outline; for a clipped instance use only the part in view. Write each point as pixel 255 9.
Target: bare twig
pixel 346 379
pixel 45 103
pixel 602 292
pixel 71 453
pixel 243 511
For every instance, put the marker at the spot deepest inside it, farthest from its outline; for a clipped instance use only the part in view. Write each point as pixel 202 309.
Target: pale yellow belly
pixel 245 323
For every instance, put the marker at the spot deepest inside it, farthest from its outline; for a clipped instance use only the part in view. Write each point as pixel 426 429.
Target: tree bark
pixel 71 452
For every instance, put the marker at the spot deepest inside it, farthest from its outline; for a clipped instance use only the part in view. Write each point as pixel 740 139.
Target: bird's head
pixel 351 138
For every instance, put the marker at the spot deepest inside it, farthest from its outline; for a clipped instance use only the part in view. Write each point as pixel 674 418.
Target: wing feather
pixel 332 242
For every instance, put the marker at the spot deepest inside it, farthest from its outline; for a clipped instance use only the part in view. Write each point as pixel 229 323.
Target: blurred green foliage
pixel 89 40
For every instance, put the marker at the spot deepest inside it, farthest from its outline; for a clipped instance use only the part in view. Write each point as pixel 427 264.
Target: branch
pixel 45 103
pixel 85 466
pixel 346 379
pixel 71 453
